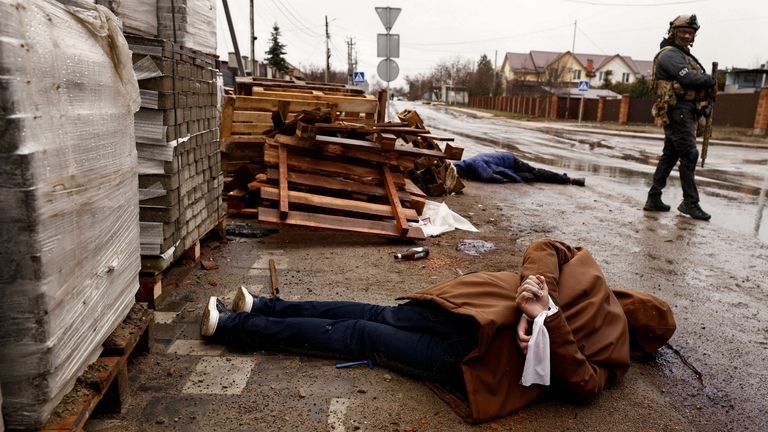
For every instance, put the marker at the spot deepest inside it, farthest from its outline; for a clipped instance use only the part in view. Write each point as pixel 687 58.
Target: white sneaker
pixel 210 318
pixel 243 301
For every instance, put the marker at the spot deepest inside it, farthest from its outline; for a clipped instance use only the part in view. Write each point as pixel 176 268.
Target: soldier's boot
pixel 693 210
pixel 654 203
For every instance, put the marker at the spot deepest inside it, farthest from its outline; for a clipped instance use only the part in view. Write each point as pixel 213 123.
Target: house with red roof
pixel 551 68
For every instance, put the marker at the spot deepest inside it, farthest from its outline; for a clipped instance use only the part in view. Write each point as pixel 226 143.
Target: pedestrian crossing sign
pixel 583 86
pixel 358 77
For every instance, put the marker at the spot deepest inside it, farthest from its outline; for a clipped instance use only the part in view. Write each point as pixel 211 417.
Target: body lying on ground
pixel 488 343
pixel 503 166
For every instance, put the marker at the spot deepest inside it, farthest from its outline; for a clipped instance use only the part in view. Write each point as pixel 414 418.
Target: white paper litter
pixel 437 218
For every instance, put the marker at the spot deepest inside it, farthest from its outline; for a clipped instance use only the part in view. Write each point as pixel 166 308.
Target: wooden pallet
pixel 151 278
pixel 104 384
pixel 305 187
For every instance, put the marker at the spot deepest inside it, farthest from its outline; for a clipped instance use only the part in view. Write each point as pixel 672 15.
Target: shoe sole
pixel 655 209
pixel 243 301
pixel 210 318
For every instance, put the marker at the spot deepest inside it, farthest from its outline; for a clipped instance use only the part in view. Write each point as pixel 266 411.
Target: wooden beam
pixel 283 180
pixel 244 103
pixel 304 163
pixel 270 193
pixel 227 115
pixel 362 104
pixel 373 155
pixel 273 277
pixel 330 183
pixel 436 137
pixel 394 200
pixel 339 223
pixel 381 113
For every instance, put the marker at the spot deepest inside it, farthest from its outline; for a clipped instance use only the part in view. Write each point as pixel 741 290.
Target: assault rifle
pixel 708 124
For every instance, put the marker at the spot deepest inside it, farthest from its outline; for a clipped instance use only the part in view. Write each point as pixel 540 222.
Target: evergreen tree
pixel 483 80
pixel 276 51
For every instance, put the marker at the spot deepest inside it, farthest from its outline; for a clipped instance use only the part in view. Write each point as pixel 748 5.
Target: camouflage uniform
pixel 681 85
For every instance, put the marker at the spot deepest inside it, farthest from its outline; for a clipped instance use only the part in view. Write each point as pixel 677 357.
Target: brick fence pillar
pixel 761 116
pixel 553 108
pixel 600 109
pixel 624 110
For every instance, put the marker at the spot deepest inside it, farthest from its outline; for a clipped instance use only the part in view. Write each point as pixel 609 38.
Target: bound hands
pixel 532 299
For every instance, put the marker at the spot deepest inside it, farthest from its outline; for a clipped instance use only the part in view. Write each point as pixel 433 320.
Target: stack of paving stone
pixel 191 23
pixel 177 138
pixel 68 190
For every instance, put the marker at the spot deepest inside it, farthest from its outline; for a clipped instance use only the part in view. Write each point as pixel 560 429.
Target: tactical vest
pixel 668 92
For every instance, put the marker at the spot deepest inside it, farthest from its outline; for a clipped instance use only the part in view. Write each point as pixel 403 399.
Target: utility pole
pixel 573 45
pixel 350 60
pixel 495 60
pixel 234 38
pixel 327 50
pixel 253 45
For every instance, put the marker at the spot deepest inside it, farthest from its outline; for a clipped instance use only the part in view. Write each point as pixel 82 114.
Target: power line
pixel 593 42
pixel 294 20
pixel 493 39
pixel 666 3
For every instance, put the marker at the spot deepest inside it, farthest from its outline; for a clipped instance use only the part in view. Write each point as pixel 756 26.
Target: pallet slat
pixel 339 223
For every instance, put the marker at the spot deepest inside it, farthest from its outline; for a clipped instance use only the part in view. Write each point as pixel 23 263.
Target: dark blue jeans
pixel 416 338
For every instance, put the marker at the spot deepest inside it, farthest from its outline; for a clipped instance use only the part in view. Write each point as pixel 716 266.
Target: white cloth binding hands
pixel 537 366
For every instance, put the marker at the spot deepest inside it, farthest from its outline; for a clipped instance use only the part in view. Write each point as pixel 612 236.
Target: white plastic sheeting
pixel 191 23
pixel 138 16
pixel 69 193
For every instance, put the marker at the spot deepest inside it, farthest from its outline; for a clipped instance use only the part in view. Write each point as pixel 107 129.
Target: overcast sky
pixel 733 32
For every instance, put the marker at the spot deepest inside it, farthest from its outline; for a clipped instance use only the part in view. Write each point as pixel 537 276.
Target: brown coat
pixel 589 339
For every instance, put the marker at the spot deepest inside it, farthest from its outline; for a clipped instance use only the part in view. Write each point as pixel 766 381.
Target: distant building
pixel 261 68
pixel 746 80
pixel 549 68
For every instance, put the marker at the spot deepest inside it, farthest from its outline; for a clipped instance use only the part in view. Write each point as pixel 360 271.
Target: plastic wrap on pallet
pixel 138 16
pixel 69 193
pixel 191 23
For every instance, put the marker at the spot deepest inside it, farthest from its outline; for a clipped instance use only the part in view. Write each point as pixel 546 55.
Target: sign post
pixel 388 45
pixel 583 88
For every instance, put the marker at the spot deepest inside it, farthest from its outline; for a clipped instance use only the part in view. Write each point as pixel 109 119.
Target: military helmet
pixel 684 21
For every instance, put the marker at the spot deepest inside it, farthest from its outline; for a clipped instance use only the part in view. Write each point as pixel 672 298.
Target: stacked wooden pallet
pixel 180 177
pixel 337 176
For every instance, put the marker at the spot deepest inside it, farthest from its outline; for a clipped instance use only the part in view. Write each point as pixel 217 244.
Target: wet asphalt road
pixel 730 183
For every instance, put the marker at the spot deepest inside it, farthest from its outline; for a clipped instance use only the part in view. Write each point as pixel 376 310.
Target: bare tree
pixel 314 72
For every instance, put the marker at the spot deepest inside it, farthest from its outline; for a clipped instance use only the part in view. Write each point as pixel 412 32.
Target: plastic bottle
pixel 413 253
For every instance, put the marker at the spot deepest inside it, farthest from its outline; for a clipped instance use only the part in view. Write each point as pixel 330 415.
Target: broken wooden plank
pixel 273 278
pixel 339 223
pixel 436 137
pixel 394 200
pixel 283 181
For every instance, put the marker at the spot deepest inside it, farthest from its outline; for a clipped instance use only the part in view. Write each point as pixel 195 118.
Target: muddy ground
pixel 712 377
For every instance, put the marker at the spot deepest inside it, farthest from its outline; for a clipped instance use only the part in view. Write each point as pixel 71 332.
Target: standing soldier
pixel 681 87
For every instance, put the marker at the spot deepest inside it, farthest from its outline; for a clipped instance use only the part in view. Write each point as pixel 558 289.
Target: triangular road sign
pixel 388 16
